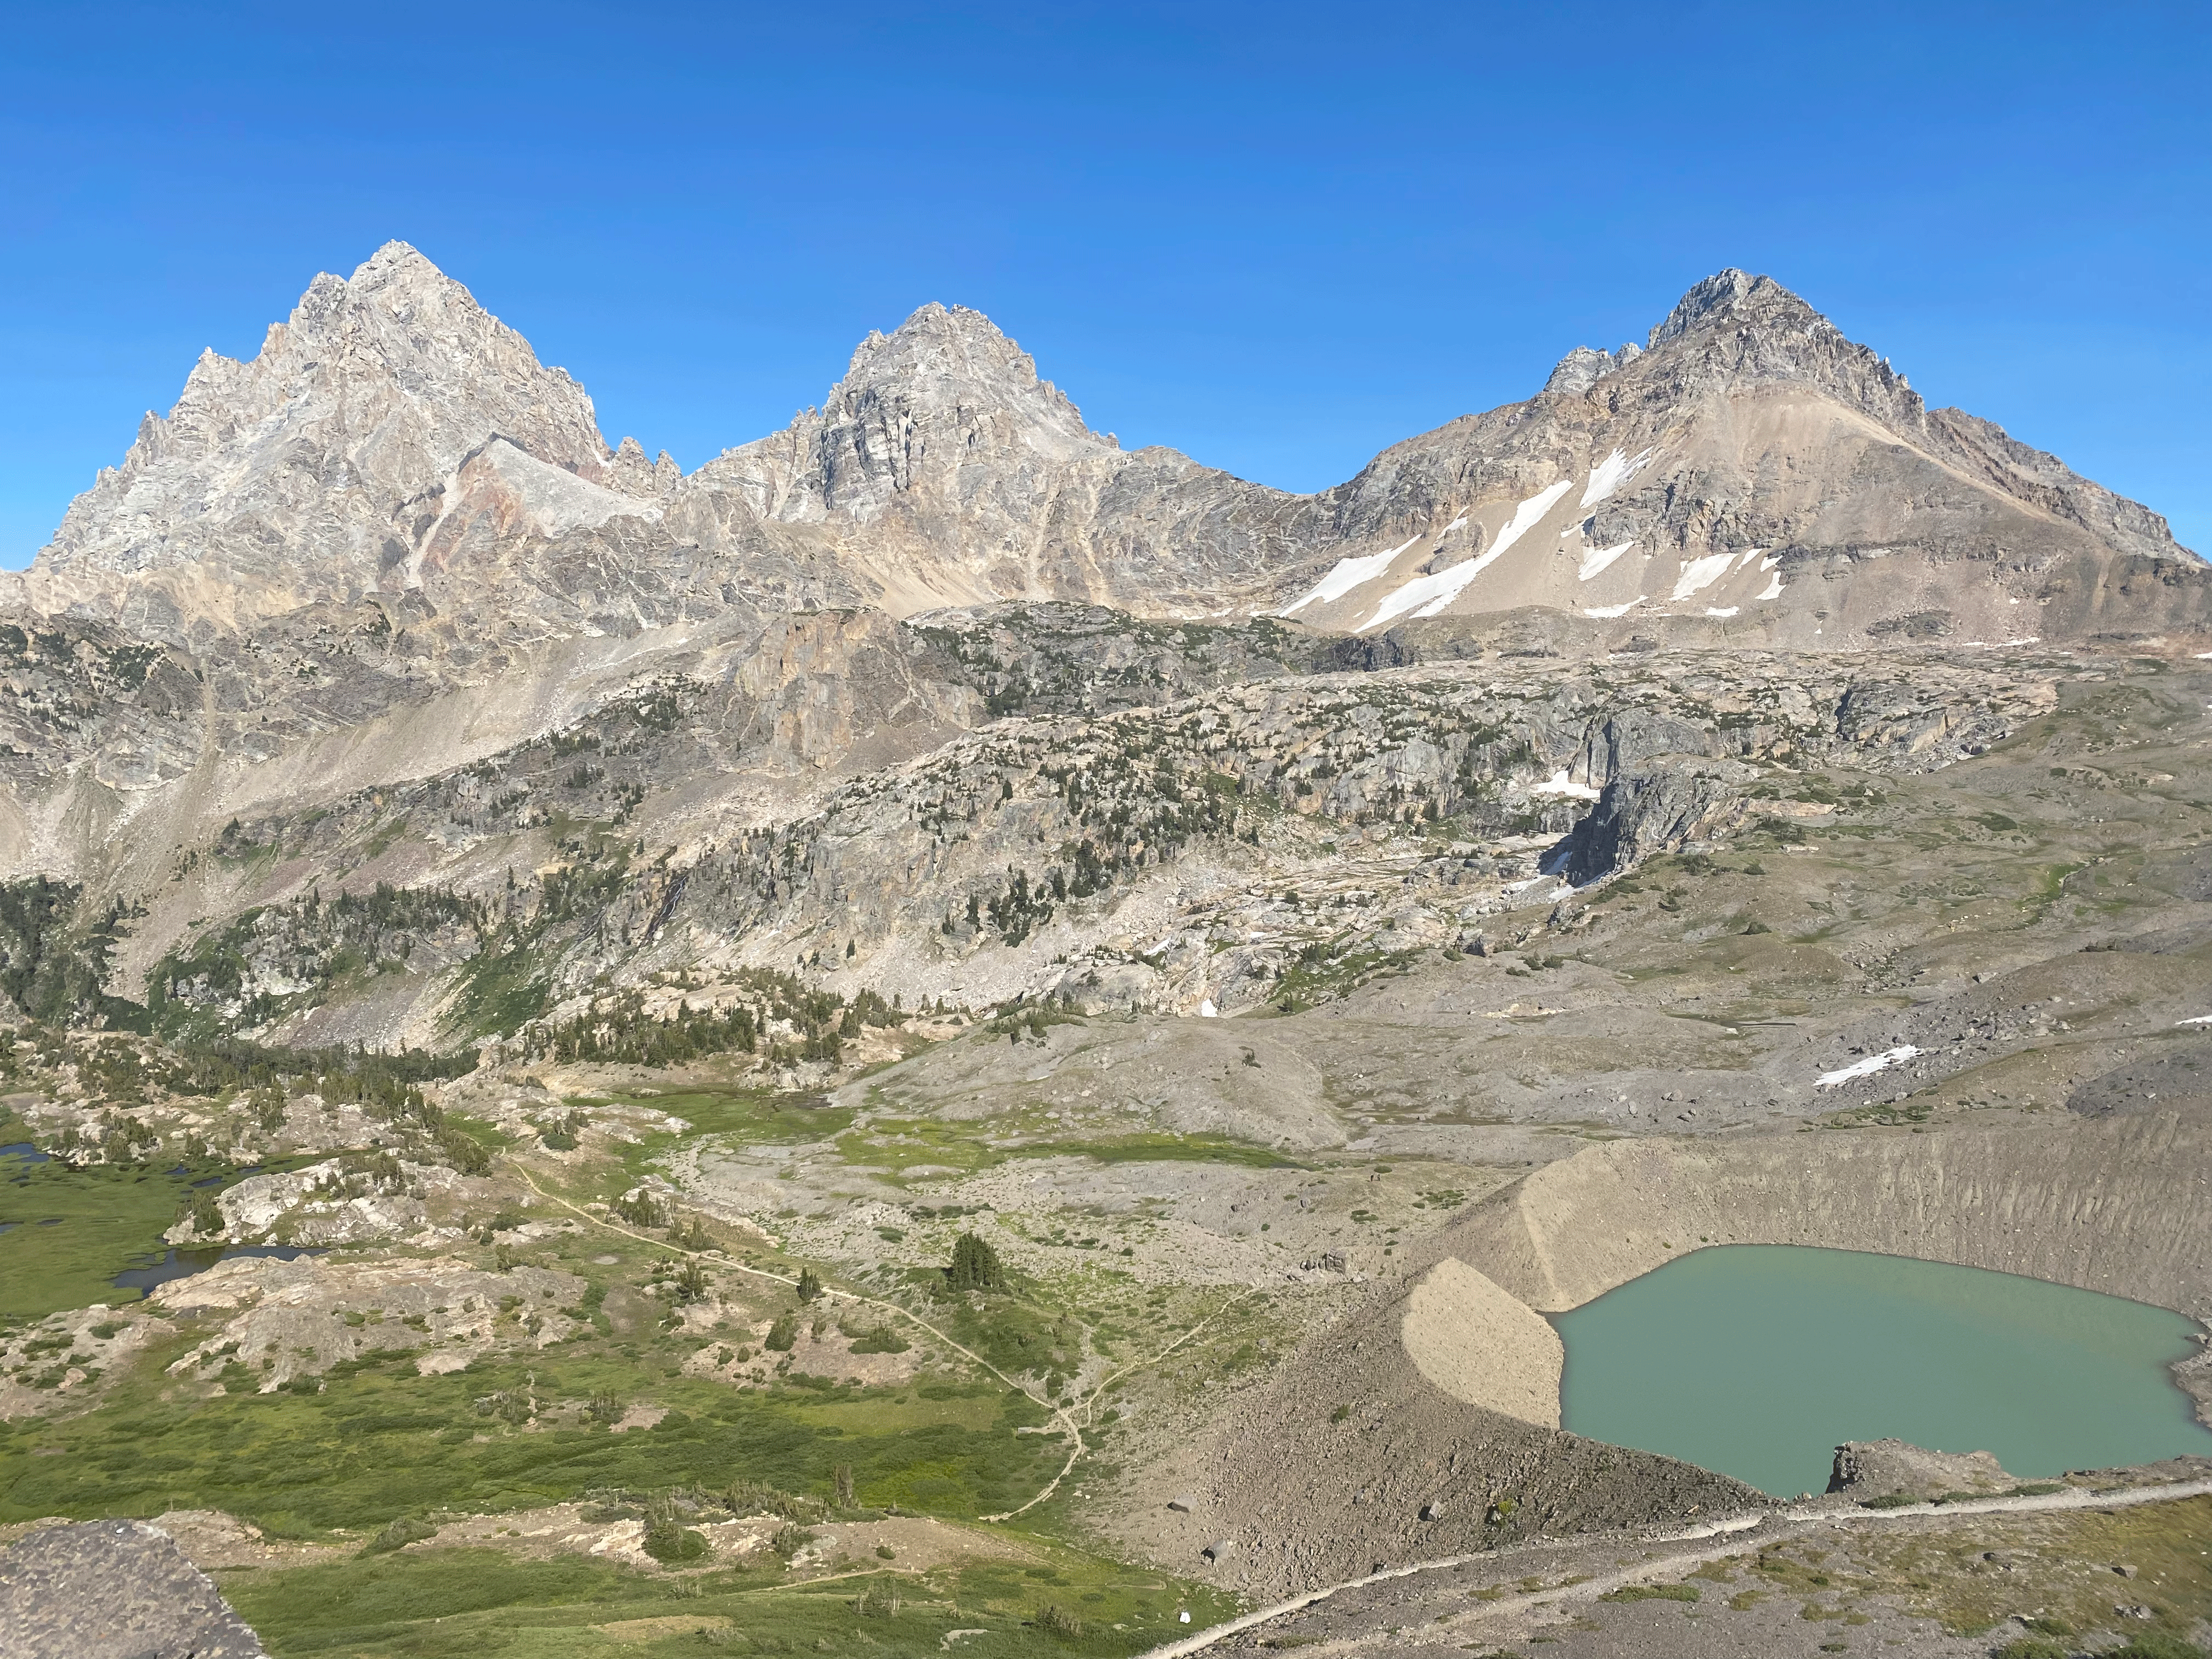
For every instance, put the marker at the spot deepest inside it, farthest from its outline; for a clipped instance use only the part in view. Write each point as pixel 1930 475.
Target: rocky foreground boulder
pixel 113 1590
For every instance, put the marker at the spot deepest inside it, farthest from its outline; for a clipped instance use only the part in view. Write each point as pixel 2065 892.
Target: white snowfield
pixel 1773 590
pixel 1346 574
pixel 1597 560
pixel 1609 474
pixel 1701 574
pixel 1426 596
pixel 1869 1066
pixel 1559 784
pixel 1621 610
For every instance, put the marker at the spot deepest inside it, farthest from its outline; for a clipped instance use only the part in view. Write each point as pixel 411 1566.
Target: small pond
pixel 182 1262
pixel 1758 1359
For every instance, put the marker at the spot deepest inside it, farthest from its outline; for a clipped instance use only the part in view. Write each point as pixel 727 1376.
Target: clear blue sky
pixel 1276 236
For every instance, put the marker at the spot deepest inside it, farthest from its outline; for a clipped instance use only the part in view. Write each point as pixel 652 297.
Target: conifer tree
pixel 975 1266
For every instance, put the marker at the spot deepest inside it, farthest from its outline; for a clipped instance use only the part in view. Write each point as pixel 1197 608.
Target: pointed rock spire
pixel 293 467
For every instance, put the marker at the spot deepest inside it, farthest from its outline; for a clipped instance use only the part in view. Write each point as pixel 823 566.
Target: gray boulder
pixel 113 1590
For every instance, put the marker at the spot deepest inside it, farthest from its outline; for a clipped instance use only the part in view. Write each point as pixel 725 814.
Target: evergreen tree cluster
pixel 975 1266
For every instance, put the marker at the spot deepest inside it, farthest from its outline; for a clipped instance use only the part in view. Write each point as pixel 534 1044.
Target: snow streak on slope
pixel 1598 559
pixel 1560 784
pixel 1867 1068
pixel 1432 593
pixel 1701 574
pixel 1609 474
pixel 1347 574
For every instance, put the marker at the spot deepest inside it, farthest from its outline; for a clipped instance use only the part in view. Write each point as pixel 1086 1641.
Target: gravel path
pixel 1769 1525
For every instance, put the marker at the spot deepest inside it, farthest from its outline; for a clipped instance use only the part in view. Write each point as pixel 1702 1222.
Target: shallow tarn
pixel 1756 1360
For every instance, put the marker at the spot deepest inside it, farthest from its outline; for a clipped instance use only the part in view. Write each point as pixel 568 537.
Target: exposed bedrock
pixel 2122 1206
pixel 113 1590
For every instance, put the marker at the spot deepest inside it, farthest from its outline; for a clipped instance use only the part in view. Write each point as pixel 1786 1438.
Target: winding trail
pixel 1790 1521
pixel 1063 1415
pixel 1090 1399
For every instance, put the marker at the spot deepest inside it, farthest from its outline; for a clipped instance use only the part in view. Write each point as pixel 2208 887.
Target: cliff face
pixel 331 464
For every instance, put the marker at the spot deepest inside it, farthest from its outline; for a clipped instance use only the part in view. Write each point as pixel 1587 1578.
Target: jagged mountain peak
pixel 397 285
pixel 398 258
pixel 289 470
pixel 1729 302
pixel 1733 298
pixel 392 435
pixel 946 358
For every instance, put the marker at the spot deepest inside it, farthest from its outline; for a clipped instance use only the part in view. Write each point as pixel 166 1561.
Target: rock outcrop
pixel 1897 1468
pixel 386 584
pixel 113 1590
pixel 1656 806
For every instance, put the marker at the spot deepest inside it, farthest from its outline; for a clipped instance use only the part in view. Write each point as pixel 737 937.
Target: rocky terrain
pixel 529 973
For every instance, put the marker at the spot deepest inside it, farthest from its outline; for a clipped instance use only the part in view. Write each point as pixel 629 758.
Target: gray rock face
pixel 1585 366
pixel 386 586
pixel 1900 1468
pixel 1655 807
pixel 326 465
pixel 113 1590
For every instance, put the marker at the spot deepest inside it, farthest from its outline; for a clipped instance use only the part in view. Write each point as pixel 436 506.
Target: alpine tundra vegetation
pixel 938 1036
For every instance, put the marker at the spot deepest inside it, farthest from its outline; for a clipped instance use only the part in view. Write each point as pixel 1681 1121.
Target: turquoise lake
pixel 1758 1360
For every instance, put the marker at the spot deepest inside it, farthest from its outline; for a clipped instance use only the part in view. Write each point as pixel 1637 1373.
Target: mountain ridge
pixel 392 437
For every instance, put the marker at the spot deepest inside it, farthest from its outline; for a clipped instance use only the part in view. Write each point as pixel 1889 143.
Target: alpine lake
pixel 1758 1360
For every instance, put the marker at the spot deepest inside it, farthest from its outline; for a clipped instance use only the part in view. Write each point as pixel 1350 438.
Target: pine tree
pixel 810 1284
pixel 975 1266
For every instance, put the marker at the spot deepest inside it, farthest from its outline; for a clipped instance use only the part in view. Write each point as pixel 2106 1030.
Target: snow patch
pixel 1599 558
pixel 1206 1010
pixel 1559 784
pixel 1613 609
pixel 1609 474
pixel 1701 574
pixel 1774 589
pixel 2200 1019
pixel 1721 611
pixel 1868 1067
pixel 1770 561
pixel 1749 553
pixel 1432 593
pixel 1347 574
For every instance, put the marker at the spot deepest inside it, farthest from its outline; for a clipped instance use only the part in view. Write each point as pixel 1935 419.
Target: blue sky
pixel 1275 236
